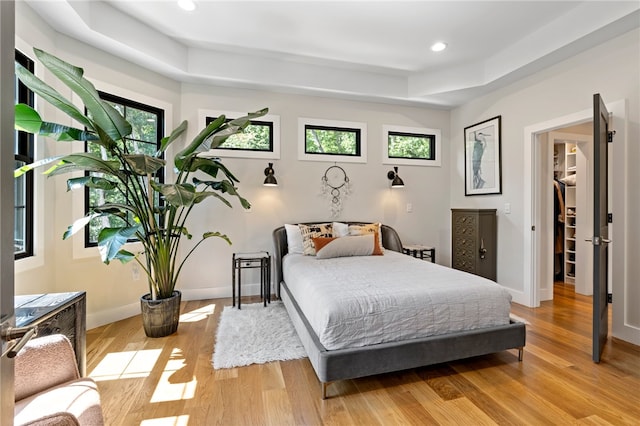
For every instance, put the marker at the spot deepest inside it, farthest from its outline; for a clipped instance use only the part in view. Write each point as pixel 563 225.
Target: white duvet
pixel 363 300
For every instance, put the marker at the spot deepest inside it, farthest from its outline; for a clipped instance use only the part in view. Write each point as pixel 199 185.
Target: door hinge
pixel 533 228
pixel 609 298
pixel 609 217
pixel 610 135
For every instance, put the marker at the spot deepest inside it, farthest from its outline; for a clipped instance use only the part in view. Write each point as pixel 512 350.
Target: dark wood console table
pixel 53 313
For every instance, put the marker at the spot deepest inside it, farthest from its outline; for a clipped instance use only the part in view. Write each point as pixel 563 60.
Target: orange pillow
pixel 320 242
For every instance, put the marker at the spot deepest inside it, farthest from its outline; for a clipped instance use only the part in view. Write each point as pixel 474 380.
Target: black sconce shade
pixel 396 181
pixel 270 179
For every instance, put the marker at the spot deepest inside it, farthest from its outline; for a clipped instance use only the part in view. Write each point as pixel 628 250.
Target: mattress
pixel 359 301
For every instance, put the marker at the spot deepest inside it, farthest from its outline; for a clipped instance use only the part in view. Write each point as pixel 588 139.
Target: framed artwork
pixel 482 158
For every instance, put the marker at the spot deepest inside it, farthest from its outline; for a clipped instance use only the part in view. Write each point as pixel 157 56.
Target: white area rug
pixel 255 335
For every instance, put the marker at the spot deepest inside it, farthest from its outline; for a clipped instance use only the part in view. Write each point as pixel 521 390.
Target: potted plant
pixel 152 212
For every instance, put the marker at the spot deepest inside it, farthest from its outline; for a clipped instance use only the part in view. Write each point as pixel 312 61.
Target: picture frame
pixel 483 157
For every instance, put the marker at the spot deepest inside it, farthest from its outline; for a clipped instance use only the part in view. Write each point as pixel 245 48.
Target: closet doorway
pixel 569 209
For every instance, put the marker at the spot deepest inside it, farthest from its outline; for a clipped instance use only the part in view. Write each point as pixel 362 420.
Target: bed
pixel 377 344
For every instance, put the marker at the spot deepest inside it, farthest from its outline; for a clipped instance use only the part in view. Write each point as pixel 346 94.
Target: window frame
pixel 359 127
pixel 388 129
pixel 160 129
pixel 25 144
pixel 271 119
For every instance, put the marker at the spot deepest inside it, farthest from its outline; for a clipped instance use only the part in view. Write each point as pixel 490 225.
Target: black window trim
pixel 26 154
pixel 430 137
pixel 357 132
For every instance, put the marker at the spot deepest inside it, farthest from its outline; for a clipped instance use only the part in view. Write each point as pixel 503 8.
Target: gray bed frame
pixel 351 363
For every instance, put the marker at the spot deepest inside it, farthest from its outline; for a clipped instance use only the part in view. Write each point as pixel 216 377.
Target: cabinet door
pixel 465 228
pixel 487 255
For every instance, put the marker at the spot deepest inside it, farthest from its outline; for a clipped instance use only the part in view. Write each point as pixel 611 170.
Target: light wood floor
pixel 170 381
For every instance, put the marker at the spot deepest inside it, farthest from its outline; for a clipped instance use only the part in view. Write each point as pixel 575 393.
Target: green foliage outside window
pixel 143 140
pixel 331 140
pixel 414 146
pixel 257 136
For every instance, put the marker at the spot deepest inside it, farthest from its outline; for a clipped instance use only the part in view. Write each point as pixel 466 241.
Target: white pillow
pixel 294 238
pixel 340 229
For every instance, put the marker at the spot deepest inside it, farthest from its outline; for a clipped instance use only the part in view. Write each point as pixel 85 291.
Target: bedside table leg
pixel 233 280
pixel 239 286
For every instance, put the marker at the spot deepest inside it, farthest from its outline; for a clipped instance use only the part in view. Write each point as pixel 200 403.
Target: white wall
pixel 611 69
pixel 297 198
pixel 111 291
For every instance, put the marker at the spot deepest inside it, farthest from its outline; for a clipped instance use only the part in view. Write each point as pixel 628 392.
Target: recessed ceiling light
pixel 438 46
pixel 187 5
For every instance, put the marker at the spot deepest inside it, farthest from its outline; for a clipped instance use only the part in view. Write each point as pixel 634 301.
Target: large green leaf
pixel 102 113
pixel 202 195
pixel 216 234
pixel 79 224
pixel 124 256
pixel 110 240
pixel 28 167
pixel 27 119
pixel 199 143
pixel 211 166
pixel 144 165
pixel 175 134
pixel 65 133
pixel 179 195
pixel 90 182
pixel 84 161
pixel 218 138
pixel 51 95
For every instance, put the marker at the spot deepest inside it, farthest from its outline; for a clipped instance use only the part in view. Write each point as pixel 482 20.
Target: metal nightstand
pixel 261 260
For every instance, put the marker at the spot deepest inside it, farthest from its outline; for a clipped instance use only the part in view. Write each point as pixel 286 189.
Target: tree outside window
pixel 411 145
pixel 147 130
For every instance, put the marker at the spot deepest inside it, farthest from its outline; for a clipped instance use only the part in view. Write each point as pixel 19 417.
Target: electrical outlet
pixel 409 208
pixel 507 208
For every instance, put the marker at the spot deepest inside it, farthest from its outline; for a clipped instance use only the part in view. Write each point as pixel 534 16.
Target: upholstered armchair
pixel 49 389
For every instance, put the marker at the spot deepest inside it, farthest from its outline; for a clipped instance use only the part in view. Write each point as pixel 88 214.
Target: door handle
pixel 483 251
pixel 12 333
pixel 596 241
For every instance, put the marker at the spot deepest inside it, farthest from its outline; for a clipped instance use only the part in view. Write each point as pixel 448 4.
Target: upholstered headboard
pixel 390 241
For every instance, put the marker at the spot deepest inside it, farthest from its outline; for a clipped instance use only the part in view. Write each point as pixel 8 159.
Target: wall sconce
pixel 270 179
pixel 397 181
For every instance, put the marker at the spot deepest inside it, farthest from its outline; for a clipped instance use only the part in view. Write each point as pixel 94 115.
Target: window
pixel 147 124
pixel 24 154
pixel 260 139
pixel 411 146
pixel 324 140
pixel 257 136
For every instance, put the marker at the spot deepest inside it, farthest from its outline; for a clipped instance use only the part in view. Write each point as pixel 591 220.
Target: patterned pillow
pixel 369 228
pixel 312 231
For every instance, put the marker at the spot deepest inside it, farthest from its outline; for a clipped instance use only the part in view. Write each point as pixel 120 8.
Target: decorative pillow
pixel 310 231
pixel 358 245
pixel 369 228
pixel 294 238
pixel 340 229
